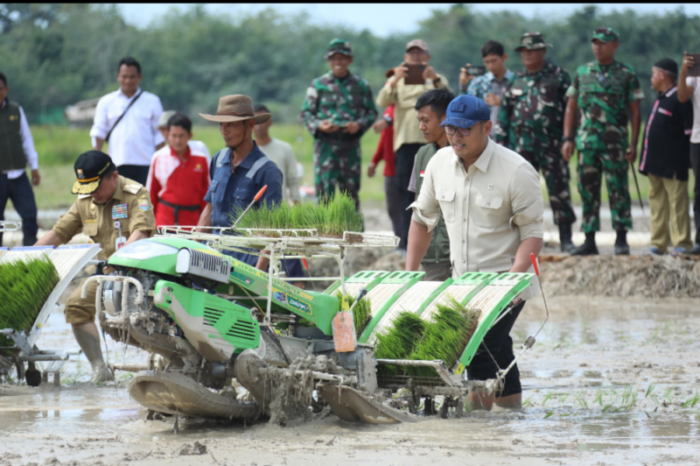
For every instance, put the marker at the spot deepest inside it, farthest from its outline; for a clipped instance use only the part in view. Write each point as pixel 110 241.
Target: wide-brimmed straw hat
pixel 236 108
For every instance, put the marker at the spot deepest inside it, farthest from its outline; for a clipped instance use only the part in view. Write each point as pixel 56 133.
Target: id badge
pixel 120 242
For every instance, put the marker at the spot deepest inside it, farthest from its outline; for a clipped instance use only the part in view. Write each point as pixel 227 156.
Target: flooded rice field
pixel 610 381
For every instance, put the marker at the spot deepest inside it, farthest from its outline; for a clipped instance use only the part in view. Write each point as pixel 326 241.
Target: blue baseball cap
pixel 465 111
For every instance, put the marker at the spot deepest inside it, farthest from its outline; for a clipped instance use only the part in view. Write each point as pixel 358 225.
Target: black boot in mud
pixel 621 246
pixel 588 248
pixel 565 238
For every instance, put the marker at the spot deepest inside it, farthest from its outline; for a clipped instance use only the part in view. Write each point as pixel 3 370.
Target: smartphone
pixel 476 70
pixel 695 70
pixel 414 74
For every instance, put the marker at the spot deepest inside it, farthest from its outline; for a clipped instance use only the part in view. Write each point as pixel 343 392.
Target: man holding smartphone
pixel 604 91
pixel 489 86
pixel 337 111
pixel 530 122
pixel 403 89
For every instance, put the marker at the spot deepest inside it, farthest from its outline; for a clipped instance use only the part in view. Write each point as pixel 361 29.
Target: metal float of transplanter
pixel 212 319
pixel 69 260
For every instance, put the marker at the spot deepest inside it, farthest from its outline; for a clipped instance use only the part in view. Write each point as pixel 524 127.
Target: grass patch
pixel 329 219
pixel 24 287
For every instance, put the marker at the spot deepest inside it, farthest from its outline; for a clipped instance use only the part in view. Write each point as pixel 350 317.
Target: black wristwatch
pixel 568 138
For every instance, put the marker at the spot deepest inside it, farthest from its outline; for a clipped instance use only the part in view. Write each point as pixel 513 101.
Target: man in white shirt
pixel 689 87
pixel 127 120
pixel 279 152
pixel 17 151
pixel 197 147
pixel 491 200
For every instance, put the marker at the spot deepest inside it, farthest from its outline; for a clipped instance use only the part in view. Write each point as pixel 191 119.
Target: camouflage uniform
pixel 604 93
pixel 337 155
pixel 531 123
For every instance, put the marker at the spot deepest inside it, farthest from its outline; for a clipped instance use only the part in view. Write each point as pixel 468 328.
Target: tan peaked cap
pixel 236 108
pixel 420 43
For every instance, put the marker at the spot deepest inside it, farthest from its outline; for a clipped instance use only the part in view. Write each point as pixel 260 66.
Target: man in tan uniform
pixel 113 211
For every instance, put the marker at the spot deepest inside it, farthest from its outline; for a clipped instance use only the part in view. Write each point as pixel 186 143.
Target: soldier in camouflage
pixel 603 91
pixel 338 109
pixel 531 123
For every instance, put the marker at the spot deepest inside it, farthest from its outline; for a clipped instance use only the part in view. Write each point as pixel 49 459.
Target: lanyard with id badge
pixel 119 211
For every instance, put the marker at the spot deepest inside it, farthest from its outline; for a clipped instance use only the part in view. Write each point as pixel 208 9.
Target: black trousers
pixel 695 163
pixel 500 345
pixel 138 173
pixel 20 192
pixel 405 158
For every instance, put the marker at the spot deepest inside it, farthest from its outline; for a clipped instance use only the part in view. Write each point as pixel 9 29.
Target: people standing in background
pixel 126 120
pixel 432 110
pixel 603 91
pixel 531 123
pixel 408 138
pixel 665 160
pixel 689 87
pixel 337 111
pixel 281 153
pixel 16 151
pixel 385 151
pixel 178 178
pixel 490 86
pixel 198 147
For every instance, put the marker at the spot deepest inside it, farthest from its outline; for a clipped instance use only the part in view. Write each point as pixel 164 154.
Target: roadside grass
pixel 59 146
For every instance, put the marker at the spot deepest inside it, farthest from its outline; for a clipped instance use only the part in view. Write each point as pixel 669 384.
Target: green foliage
pixel 398 341
pixel 24 287
pixel 361 314
pixel 329 219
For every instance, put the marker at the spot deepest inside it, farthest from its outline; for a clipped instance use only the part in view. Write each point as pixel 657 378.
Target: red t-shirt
pixel 180 183
pixel 385 149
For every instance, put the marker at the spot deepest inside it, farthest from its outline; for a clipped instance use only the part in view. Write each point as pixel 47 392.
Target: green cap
pixel 532 41
pixel 339 46
pixel 605 34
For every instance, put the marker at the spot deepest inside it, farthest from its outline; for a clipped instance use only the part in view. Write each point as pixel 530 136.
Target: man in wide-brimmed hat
pixel 113 211
pixel 337 111
pixel 531 122
pixel 239 171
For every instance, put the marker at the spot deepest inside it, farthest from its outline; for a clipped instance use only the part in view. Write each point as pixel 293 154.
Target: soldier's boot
pixel 565 238
pixel 588 248
pixel 621 246
pixel 91 347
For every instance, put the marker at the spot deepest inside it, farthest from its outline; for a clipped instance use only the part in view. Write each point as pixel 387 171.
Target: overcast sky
pixel 383 19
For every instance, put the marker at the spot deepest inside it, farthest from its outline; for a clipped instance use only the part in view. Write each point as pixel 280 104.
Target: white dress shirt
pixel 27 145
pixel 489 209
pixel 135 138
pixel 282 154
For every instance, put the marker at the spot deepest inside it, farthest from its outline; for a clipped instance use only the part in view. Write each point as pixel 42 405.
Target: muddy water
pixel 609 381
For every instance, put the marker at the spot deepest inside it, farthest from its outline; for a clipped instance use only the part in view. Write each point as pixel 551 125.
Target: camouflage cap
pixel 339 46
pixel 605 34
pixel 532 41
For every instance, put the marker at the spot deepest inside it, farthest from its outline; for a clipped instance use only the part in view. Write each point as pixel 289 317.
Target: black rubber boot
pixel 588 248
pixel 565 238
pixel 621 246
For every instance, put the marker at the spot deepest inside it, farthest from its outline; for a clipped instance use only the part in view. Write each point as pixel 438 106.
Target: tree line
pixel 57 54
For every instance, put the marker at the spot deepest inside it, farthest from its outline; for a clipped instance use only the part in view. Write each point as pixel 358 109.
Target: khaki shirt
pixel 406 130
pixel 489 209
pixel 130 206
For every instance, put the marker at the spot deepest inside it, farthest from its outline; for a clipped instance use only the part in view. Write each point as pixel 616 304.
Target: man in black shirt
pixel 665 160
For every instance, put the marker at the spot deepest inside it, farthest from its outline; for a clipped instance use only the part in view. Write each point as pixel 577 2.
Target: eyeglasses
pixel 464 132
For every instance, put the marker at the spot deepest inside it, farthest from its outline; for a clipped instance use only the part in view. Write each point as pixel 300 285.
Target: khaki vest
pixel 439 249
pixel 12 156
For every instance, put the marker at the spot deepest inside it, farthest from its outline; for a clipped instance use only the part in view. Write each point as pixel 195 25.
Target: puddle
pixel 609 382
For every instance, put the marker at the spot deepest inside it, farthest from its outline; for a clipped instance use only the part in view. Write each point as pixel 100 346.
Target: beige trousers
pixel 669 201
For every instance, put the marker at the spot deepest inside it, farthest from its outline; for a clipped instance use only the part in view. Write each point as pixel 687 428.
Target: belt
pixel 177 208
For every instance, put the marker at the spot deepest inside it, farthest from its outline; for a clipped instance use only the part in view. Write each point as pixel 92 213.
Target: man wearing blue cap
pixel 491 200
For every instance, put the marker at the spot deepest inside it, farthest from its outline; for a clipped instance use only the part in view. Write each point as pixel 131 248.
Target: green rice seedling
pixel 361 313
pixel 445 337
pixel 331 218
pixel 649 391
pixel 398 341
pixel 24 287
